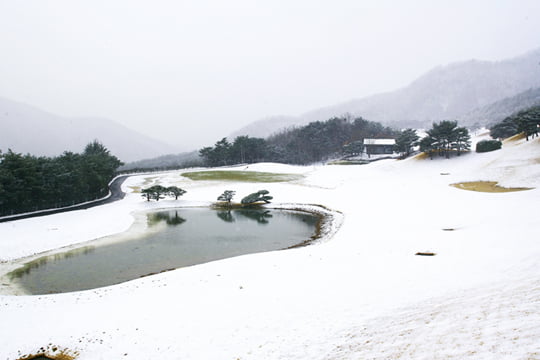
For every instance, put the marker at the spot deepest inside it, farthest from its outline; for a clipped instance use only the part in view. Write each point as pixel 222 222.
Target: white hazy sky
pixel 192 71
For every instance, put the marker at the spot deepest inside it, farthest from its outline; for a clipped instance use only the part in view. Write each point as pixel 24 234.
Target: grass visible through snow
pixel 242 176
pixel 485 186
pixel 348 162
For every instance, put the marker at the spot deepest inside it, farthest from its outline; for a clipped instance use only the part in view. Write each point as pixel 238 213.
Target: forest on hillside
pixel 29 183
pixel 526 121
pixel 317 141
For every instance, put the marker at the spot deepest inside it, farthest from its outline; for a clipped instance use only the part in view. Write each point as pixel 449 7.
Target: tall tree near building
pixel 405 141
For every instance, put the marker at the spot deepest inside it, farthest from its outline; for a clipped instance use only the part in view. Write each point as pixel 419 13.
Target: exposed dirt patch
pixel 486 186
pixel 421 156
pixel 51 352
pixel 514 138
pixel 149 180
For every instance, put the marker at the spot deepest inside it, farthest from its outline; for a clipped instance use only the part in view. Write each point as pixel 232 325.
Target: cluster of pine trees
pixel 317 141
pixel 444 138
pixel 526 121
pixel 29 183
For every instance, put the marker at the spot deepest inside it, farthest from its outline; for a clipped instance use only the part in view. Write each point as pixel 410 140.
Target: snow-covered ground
pixel 359 294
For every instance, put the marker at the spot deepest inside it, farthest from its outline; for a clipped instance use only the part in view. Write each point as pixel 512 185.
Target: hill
pixel 27 129
pixel 499 110
pixel 445 92
pixel 165 162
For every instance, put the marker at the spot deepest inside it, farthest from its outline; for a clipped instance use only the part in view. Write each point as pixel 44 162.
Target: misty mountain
pixel 267 126
pixel 499 110
pixel 445 92
pixel 26 129
pixel 165 162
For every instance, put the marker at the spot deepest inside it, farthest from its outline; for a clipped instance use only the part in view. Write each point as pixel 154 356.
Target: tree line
pixel 317 141
pixel 526 121
pixel 30 183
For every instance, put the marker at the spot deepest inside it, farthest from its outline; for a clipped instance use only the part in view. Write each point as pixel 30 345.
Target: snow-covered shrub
pixel 488 145
pixel 261 195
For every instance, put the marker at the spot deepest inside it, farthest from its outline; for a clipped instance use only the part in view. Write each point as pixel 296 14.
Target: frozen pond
pixel 172 239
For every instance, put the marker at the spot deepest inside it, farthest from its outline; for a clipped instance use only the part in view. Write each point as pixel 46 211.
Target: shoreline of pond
pixel 328 223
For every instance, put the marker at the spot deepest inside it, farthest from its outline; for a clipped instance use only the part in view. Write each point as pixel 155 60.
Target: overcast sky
pixel 192 71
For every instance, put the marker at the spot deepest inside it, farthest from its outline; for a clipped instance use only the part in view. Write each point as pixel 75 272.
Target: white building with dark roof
pixel 379 146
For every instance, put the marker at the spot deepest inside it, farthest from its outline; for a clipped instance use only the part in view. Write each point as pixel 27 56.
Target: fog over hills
pixel 499 110
pixel 472 92
pixel 454 91
pixel 26 129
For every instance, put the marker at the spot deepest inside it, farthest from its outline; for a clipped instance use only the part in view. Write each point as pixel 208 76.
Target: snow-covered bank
pixel 362 294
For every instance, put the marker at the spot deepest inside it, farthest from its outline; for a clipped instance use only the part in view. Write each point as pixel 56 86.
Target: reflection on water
pixel 259 215
pixel 25 270
pixel 191 236
pixel 226 216
pixel 170 218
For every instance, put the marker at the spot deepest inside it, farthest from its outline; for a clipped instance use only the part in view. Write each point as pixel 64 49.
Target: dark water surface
pixel 174 238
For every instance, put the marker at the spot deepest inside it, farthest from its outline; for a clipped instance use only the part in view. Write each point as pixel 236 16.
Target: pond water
pixel 172 239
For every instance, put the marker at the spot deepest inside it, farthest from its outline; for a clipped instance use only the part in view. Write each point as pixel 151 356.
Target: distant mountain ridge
pixel 165 162
pixel 499 110
pixel 27 129
pixel 444 93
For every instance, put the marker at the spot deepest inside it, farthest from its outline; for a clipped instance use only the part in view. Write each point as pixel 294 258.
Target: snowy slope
pixel 359 294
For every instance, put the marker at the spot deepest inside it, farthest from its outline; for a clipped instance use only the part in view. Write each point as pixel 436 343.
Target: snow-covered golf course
pixel 360 292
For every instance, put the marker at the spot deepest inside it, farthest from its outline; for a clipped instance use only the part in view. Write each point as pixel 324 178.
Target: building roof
pixel 379 141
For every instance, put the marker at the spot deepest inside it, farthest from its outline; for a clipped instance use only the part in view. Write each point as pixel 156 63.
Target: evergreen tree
pixel 405 141
pixel 99 167
pixel 155 192
pixel 528 122
pixel 461 140
pixel 226 196
pixel 353 148
pixel 504 129
pixel 29 183
pixel 444 137
pixel 218 155
pixel 175 191
pixel 249 150
pixel 261 195
pixel 427 145
pixel 444 133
